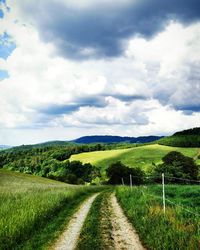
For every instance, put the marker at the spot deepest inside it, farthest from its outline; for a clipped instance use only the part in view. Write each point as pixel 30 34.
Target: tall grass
pixel 26 202
pixel 177 229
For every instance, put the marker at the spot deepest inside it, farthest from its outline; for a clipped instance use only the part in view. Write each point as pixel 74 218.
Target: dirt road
pixel 117 233
pixel 124 235
pixel 69 238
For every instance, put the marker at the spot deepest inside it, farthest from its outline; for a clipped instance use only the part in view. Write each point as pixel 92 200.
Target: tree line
pixel 51 162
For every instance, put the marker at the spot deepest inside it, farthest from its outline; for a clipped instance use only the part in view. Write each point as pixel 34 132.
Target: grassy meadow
pixel 142 156
pixel 177 229
pixel 28 203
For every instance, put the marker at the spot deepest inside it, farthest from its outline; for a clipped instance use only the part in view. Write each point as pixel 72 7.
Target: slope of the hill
pixel 115 139
pixel 33 209
pixel 192 131
pixel 185 138
pixel 143 156
pixel 15 182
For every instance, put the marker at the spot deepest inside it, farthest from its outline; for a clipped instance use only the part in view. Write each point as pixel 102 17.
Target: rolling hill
pixel 115 139
pixel 185 138
pixel 192 131
pixel 143 156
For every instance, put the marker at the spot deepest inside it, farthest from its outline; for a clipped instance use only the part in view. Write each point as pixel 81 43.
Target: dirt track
pixel 124 235
pixel 69 238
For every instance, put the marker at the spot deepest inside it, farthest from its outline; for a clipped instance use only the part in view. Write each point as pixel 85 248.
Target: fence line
pixel 163 190
pixel 164 199
pixel 166 177
pixel 182 179
pixel 182 207
pixel 175 204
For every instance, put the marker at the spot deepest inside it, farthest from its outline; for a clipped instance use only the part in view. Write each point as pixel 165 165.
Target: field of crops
pixel 142 156
pixel 28 203
pixel 177 229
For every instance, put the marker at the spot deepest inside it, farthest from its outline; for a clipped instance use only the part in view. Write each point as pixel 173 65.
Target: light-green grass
pixel 96 156
pixel 177 229
pixel 28 203
pixel 142 156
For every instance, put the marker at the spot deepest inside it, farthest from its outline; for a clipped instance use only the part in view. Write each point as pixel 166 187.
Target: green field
pixel 177 229
pixel 27 205
pixel 142 156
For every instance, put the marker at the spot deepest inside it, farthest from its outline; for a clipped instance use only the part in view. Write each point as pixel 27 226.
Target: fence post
pixel 131 184
pixel 122 181
pixel 163 188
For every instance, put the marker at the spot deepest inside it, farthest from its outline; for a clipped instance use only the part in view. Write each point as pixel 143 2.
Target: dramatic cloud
pixel 80 29
pixel 137 68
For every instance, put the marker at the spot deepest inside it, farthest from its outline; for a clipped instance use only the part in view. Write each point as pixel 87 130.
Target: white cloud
pixel 140 90
pixel 172 60
pixel 116 112
pixel 169 49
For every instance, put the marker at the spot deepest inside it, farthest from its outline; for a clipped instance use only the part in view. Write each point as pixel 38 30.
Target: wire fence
pixel 163 197
pixel 166 177
pixel 172 203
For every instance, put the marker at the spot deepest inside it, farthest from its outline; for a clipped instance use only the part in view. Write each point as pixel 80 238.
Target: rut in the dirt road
pixel 69 238
pixel 124 235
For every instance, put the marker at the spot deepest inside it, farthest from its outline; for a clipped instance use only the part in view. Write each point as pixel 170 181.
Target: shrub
pixel 118 170
pixel 177 165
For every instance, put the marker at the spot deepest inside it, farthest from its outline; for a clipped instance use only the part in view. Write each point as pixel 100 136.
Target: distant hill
pixel 192 131
pixel 185 138
pixel 52 143
pixel 115 139
pixel 4 147
pixel 49 144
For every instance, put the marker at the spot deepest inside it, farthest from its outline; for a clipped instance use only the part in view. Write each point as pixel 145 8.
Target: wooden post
pixel 163 187
pixel 131 184
pixel 122 181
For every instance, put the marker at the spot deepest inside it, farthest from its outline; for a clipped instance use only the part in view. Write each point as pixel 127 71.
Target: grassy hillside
pixel 142 156
pixel 33 209
pixel 185 138
pixel 181 141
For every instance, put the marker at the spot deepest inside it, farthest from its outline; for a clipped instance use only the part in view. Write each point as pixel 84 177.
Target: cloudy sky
pixel 70 68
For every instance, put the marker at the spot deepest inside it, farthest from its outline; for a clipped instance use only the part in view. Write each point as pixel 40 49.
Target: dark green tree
pixel 176 165
pixel 118 170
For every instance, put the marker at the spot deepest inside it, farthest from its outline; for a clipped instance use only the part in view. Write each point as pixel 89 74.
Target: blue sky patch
pixel 6 46
pixel 3 74
pixel 1 13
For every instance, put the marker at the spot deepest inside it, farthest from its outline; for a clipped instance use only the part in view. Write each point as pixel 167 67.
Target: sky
pixel 70 68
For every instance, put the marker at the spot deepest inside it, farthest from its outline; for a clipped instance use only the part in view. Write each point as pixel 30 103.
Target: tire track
pixel 69 237
pixel 124 235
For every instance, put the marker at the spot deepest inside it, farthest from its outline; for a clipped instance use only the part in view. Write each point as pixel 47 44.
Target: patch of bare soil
pixel 124 235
